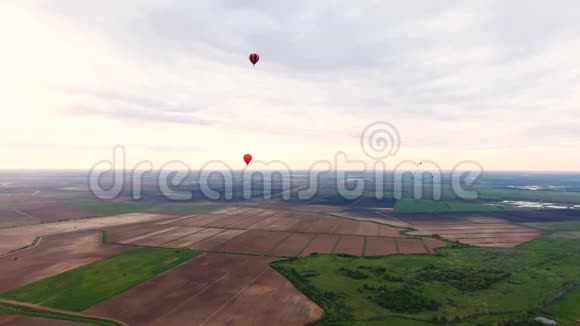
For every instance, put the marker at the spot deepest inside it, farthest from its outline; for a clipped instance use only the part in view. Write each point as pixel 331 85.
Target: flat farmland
pixel 53 255
pixel 54 213
pixel 191 239
pixel 478 230
pixel 254 242
pixel 215 241
pixel 18 237
pixel 411 246
pixel 378 246
pixel 10 217
pixel 323 225
pixel 169 236
pixel 239 290
pixel 293 245
pixel 322 243
pixel 350 244
pixel 16 320
pixel 433 244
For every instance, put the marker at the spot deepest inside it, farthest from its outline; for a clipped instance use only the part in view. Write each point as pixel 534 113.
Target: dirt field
pixel 433 244
pixel 215 241
pixel 294 245
pixel 239 290
pixel 11 218
pixel 411 246
pixel 14 320
pixel 55 213
pixel 350 244
pixel 18 237
pixel 480 230
pixel 191 239
pixel 322 243
pixel 377 246
pixel 52 255
pixel 254 242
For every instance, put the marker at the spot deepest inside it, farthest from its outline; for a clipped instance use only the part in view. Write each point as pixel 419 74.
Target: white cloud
pixel 458 76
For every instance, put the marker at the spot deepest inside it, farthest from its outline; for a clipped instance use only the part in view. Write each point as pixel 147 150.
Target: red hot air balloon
pixel 247 159
pixel 254 58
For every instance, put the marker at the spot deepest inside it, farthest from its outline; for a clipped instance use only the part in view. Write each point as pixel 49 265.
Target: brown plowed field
pixel 18 237
pixel 471 229
pixel 213 242
pixel 390 220
pixel 433 244
pixel 323 225
pixel 14 320
pixel 367 228
pixel 239 290
pixel 350 244
pixel 246 222
pixel 346 227
pixel 387 231
pixel 168 236
pixel 303 224
pixel 322 243
pixel 222 222
pixel 54 213
pixel 16 220
pixel 54 255
pixel 377 246
pixel 411 246
pixel 224 210
pixel 283 224
pixel 253 242
pixel 163 230
pixel 193 238
pixel 266 223
pixel 293 245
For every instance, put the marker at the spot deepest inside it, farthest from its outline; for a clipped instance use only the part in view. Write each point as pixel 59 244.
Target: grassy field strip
pixel 25 309
pixel 86 286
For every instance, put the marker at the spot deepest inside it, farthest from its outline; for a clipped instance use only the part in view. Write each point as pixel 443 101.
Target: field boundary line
pixel 30 246
pixel 307 244
pixel 168 241
pixel 336 243
pixel 271 251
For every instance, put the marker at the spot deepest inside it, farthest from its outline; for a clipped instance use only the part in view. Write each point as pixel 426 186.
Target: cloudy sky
pixel 497 82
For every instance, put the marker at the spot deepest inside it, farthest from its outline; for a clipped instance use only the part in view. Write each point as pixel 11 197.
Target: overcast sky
pixel 493 81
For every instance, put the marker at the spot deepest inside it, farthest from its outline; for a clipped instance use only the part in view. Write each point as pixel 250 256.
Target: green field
pixel 432 206
pixel 83 287
pixel 452 284
pixel 567 308
pixel 108 208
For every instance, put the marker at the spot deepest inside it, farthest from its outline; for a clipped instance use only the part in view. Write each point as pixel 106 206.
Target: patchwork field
pixel 19 237
pixel 53 255
pixel 191 294
pixel 260 231
pixel 476 230
pixel 83 287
